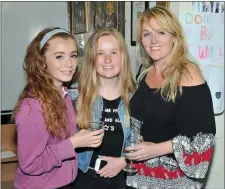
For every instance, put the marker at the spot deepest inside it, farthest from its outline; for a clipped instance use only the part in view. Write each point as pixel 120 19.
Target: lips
pixel 67 73
pixel 155 48
pixel 107 67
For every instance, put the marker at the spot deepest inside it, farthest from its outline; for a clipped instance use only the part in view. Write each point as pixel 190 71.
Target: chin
pixel 66 79
pixel 111 76
pixel 156 58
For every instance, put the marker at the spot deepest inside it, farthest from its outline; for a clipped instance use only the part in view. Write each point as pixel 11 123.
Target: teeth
pixel 155 48
pixel 107 67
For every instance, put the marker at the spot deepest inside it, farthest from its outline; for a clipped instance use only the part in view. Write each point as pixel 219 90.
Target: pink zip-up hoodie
pixel 44 162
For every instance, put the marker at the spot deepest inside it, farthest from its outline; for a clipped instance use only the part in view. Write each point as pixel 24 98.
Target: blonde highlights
pixel 89 81
pixel 178 58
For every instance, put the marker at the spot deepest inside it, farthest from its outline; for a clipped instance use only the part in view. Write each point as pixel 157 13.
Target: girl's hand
pixel 113 167
pixel 142 151
pixel 87 138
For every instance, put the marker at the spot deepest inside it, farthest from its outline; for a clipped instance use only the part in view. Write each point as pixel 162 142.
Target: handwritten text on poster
pixel 205 36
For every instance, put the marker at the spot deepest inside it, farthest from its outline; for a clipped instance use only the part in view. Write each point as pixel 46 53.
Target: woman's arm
pixel 34 154
pixel 195 123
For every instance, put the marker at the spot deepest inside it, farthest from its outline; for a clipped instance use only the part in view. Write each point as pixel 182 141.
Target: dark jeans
pixel 92 180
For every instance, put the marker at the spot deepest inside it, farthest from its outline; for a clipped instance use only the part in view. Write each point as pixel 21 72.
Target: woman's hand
pixel 113 167
pixel 148 150
pixel 87 138
pixel 142 151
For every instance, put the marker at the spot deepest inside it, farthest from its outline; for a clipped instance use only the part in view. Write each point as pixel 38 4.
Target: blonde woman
pixel 105 87
pixel 174 103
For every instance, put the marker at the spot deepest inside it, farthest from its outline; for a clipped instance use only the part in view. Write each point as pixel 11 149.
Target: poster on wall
pixel 204 30
pixel 212 6
pixel 137 8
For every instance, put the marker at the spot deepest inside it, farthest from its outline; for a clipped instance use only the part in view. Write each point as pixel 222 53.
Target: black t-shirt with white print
pixel 113 137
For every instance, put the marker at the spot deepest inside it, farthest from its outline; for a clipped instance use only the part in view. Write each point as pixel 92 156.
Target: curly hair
pixel 39 85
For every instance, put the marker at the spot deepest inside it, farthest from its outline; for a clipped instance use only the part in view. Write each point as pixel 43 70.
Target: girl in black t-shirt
pixel 105 86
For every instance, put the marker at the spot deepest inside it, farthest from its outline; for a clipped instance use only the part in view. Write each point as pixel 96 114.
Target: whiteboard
pixel 20 23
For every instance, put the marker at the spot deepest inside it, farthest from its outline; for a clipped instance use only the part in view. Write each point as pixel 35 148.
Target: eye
pixel 100 53
pixel 74 56
pixel 145 35
pixel 114 52
pixel 59 57
pixel 162 33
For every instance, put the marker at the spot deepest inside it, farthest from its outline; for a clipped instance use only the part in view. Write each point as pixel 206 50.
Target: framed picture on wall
pixel 78 17
pixel 107 14
pixel 163 4
pixel 137 8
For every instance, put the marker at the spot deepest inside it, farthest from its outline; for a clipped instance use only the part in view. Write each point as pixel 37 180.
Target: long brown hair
pixel 179 57
pixel 39 85
pixel 89 81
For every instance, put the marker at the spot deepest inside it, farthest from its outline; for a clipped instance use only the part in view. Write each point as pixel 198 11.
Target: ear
pixel 174 40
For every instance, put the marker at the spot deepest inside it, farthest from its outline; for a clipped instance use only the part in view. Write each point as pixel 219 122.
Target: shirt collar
pixel 65 92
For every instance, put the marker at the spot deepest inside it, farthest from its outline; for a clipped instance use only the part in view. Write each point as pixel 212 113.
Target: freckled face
pixel 157 42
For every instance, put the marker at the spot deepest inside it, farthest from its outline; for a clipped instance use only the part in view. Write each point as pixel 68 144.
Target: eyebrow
pixel 156 30
pixel 64 52
pixel 110 49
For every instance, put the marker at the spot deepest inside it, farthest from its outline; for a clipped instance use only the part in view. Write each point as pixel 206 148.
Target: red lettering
pixel 203 33
pixel 203 54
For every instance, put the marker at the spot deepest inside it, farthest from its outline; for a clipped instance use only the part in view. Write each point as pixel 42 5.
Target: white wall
pixel 216 173
pixel 0 51
pixel 20 23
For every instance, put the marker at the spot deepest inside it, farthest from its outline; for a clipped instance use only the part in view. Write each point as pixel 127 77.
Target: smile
pixel 155 48
pixel 68 73
pixel 107 67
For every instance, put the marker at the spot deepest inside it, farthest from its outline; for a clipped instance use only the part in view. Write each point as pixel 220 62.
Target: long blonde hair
pixel 89 81
pixel 179 56
pixel 39 85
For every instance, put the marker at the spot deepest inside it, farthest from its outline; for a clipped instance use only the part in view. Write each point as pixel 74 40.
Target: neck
pixel 109 88
pixel 160 66
pixel 59 88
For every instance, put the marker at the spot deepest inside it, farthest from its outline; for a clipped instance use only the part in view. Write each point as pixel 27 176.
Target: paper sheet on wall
pixel 204 35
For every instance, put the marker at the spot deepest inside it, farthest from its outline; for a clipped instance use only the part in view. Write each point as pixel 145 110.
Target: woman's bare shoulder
pixel 193 77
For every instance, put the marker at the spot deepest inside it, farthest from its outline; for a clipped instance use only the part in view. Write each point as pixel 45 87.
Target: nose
pixel 154 38
pixel 68 62
pixel 108 58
